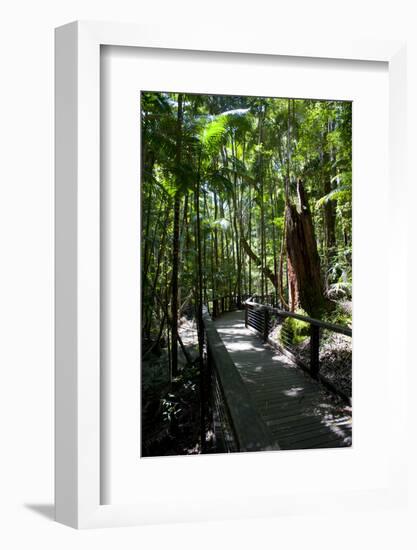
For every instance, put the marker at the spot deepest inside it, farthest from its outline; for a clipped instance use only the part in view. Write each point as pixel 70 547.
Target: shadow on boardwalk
pixel 299 412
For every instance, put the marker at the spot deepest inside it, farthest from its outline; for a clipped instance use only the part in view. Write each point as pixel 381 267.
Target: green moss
pixel 294 331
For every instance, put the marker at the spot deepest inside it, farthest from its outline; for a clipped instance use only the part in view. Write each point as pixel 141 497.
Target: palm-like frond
pixel 342 193
pixel 212 133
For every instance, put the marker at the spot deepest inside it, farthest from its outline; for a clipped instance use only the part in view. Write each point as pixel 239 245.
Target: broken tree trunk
pixel 305 281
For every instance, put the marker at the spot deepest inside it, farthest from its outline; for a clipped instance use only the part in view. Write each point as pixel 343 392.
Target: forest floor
pixel 171 410
pixel 336 362
pixel 335 358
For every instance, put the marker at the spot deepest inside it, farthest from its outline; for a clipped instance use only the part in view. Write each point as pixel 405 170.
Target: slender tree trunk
pixel 147 256
pixel 200 328
pixel 216 257
pixel 329 207
pixel 261 197
pixel 281 266
pixel 235 227
pixel 148 263
pixel 250 241
pixel 175 242
pixel 274 246
pixel 290 275
pixel 199 266
pixel 238 263
pixel 287 180
pixel 205 245
pixel 168 331
pixel 232 248
pixel 224 261
pixel 161 253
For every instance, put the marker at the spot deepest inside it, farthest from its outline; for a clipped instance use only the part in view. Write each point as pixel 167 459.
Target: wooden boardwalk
pixel 298 411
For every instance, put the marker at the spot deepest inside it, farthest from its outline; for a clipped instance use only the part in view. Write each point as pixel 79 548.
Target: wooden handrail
pixel 249 430
pixel 316 322
pixel 261 323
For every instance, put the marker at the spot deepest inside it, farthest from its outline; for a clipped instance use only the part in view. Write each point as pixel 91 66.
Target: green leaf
pixel 343 193
pixel 213 132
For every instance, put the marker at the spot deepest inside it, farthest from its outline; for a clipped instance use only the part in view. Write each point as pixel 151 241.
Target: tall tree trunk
pixel 161 253
pixel 233 248
pixel 216 258
pixel 175 243
pixel 274 246
pixel 281 287
pixel 329 223
pixel 199 312
pixel 329 207
pixel 262 250
pixel 205 245
pixel 199 266
pixel 238 262
pixel 224 256
pixel 235 227
pixel 250 241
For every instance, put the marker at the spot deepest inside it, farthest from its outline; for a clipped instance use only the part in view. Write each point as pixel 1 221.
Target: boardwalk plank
pixel 309 423
pixel 291 420
pixel 297 410
pixel 316 433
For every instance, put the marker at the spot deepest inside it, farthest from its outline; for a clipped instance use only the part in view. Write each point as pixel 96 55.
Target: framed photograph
pixel 220 205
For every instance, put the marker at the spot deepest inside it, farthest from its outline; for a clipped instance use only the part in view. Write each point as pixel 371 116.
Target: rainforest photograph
pixel 246 273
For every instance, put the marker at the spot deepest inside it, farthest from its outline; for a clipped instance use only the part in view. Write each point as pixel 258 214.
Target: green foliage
pixel 183 390
pixel 340 315
pixel 294 331
pixel 340 289
pixel 219 182
pixel 279 222
pixel 213 132
pixel 343 194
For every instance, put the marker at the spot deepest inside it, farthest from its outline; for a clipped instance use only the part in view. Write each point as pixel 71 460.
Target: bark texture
pixel 305 281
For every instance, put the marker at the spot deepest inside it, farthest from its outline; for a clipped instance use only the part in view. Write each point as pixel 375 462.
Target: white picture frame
pixel 78 406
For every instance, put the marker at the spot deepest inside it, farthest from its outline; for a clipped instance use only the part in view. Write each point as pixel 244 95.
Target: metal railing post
pixel 314 350
pixel 266 324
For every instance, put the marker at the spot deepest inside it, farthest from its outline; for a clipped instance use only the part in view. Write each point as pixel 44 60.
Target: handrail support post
pixel 266 324
pixel 314 350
